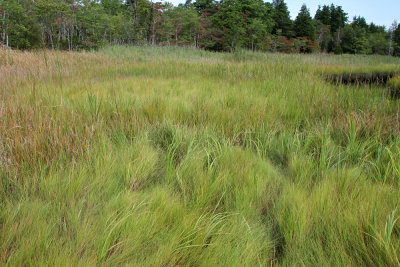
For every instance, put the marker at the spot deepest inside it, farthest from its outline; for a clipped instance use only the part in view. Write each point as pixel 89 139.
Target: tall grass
pixel 167 156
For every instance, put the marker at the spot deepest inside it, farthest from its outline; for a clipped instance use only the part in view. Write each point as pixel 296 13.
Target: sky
pixel 381 12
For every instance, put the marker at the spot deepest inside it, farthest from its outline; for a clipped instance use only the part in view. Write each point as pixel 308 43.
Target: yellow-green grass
pixel 167 156
pixel 378 74
pixel 390 68
pixel 394 82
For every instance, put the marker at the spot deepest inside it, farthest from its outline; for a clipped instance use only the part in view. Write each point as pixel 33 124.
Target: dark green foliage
pixel 303 25
pixel 338 18
pixel 323 15
pixel 281 16
pixel 372 28
pixel 360 22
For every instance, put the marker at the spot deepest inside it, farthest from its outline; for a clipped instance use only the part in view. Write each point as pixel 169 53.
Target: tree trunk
pixel 51 39
pixel 391 31
pixel 390 52
pixel 4 28
pixel 153 34
pixel 153 27
pixel 59 39
pixel 338 41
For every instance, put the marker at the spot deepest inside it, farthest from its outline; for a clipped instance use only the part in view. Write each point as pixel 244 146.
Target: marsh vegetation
pixel 173 156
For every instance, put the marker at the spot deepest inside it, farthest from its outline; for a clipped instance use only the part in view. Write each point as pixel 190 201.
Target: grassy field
pixel 179 157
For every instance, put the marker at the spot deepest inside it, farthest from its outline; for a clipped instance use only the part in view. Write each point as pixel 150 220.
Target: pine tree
pixel 360 22
pixel 338 18
pixel 323 15
pixel 303 25
pixel 282 19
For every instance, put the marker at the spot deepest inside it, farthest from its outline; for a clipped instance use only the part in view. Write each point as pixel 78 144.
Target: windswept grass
pixel 171 156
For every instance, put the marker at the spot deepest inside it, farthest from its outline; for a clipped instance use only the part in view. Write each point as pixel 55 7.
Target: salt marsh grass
pixel 173 156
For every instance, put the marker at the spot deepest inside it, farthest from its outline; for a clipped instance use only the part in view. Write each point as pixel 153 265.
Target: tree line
pixel 223 25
